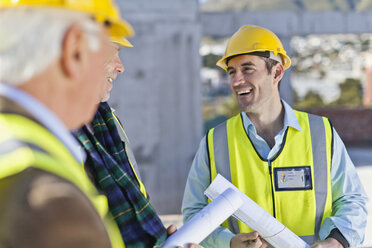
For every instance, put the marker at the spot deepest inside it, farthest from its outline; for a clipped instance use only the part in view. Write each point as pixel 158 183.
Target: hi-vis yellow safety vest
pixel 294 186
pixel 37 147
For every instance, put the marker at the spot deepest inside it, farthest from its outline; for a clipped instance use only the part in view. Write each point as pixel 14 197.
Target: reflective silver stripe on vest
pixel 11 145
pixel 221 151
pixel 221 158
pixel 319 147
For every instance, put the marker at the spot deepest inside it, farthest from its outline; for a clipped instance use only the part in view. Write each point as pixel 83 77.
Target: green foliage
pixel 351 94
pixel 210 60
pixel 350 97
pixel 230 107
pixel 311 100
pixel 220 106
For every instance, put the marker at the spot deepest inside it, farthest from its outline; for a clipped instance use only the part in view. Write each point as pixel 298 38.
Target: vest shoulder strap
pixel 319 148
pixel 221 149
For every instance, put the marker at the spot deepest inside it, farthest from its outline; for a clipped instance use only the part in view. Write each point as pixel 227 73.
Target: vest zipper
pixel 272 188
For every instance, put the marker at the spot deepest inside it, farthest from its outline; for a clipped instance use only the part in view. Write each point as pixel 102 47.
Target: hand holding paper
pixel 257 218
pixel 206 221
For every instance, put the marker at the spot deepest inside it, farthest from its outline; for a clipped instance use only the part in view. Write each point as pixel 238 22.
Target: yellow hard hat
pixel 102 10
pixel 121 41
pixel 252 38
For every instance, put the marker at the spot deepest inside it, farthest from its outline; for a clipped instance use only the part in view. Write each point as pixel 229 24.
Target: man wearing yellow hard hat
pixel 52 55
pixel 113 169
pixel 321 199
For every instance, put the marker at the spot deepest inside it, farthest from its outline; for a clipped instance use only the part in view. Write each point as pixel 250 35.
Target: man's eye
pixel 248 69
pixel 231 73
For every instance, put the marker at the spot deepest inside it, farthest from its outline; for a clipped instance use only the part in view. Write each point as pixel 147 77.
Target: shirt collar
pixel 290 119
pixel 47 118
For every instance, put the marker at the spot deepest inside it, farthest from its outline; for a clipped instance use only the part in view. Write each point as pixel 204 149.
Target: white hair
pixel 31 39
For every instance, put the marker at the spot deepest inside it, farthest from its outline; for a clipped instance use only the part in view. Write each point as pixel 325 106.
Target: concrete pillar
pixel 158 98
pixel 285 85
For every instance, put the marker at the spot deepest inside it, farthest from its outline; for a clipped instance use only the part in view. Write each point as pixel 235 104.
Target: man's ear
pixel 278 72
pixel 73 52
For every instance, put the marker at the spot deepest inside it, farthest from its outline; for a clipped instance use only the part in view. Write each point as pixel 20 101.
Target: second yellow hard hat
pixel 252 38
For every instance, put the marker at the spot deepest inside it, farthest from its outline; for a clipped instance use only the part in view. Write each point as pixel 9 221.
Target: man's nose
pixel 119 65
pixel 237 79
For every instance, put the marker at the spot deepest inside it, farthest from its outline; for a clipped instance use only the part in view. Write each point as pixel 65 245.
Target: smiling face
pixel 113 67
pixel 256 89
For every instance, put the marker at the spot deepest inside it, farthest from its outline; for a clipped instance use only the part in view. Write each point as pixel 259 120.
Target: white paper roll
pixel 206 221
pixel 251 214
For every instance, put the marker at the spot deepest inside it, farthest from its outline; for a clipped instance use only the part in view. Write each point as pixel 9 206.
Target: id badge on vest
pixel 293 178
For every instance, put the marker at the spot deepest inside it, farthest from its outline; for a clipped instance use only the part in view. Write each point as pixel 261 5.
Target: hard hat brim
pixel 119 30
pixel 222 62
pixel 122 41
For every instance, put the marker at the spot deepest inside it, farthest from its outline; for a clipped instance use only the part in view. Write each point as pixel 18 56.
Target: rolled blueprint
pixel 206 221
pixel 251 214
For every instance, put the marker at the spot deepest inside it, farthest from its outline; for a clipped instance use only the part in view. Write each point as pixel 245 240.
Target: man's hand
pixel 172 229
pixel 328 243
pixel 248 240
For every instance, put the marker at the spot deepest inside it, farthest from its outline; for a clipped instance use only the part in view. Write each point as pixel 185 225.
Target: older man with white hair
pixel 52 56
